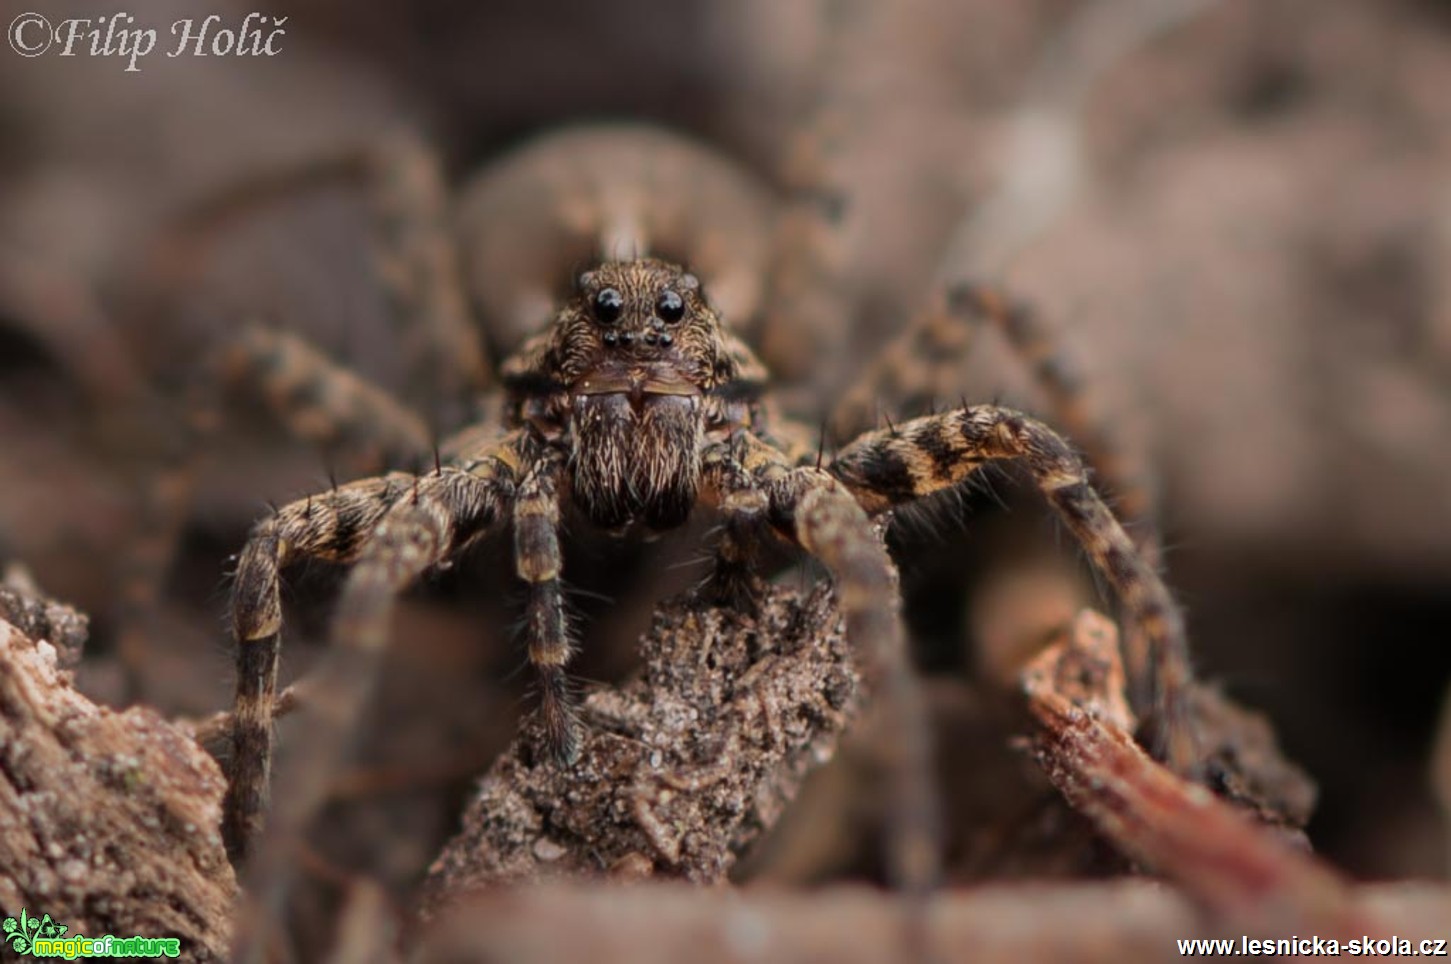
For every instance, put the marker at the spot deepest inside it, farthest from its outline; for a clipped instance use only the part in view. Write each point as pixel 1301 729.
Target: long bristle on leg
pixel 926 455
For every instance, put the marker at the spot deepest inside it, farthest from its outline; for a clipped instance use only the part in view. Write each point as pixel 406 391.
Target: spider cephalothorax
pixel 633 372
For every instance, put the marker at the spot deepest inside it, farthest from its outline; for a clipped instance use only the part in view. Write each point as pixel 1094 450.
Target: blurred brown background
pixel 1243 226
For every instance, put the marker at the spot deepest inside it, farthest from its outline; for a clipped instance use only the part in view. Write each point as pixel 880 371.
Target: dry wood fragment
pixel 1238 870
pixel 108 820
pixel 214 732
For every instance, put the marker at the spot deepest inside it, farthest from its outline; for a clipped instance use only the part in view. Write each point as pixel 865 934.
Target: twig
pixel 212 732
pixel 1238 870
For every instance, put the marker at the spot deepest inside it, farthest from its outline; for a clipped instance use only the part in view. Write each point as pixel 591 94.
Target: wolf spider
pixel 636 404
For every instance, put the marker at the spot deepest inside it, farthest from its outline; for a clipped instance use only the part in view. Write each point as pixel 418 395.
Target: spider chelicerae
pixel 637 405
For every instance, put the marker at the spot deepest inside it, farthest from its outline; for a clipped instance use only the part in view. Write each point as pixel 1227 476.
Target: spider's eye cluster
pixel 670 307
pixel 609 304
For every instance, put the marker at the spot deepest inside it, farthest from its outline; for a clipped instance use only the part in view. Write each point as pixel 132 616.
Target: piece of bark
pixel 682 767
pixel 108 820
pixel 1238 870
pixel 1124 920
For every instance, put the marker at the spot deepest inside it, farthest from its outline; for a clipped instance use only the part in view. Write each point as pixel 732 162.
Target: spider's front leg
pixel 926 455
pixel 538 561
pixel 390 528
pixel 331 526
pixel 758 486
pixel 924 364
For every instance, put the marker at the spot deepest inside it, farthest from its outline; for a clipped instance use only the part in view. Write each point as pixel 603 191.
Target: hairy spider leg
pixel 392 530
pixel 338 526
pixel 312 396
pixel 926 455
pixel 769 491
pixel 538 562
pixel 923 365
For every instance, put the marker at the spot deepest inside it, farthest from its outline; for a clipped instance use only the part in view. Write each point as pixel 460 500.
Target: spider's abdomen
pixel 636 457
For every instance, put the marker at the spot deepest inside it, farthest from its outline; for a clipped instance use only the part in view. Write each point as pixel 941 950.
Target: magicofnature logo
pixel 41 937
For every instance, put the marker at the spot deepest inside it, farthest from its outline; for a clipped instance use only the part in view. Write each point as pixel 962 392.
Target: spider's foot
pixel 733 582
pixel 563 736
pixel 564 747
pixel 735 588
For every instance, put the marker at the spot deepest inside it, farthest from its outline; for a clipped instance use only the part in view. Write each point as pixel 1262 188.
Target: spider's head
pixel 637 349
pixel 641 328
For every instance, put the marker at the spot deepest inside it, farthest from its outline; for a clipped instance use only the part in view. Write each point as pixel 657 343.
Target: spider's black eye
pixel 608 305
pixel 670 307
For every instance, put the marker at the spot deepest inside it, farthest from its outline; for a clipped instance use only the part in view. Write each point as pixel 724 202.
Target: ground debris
pixel 39 617
pixel 682 767
pixel 108 820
